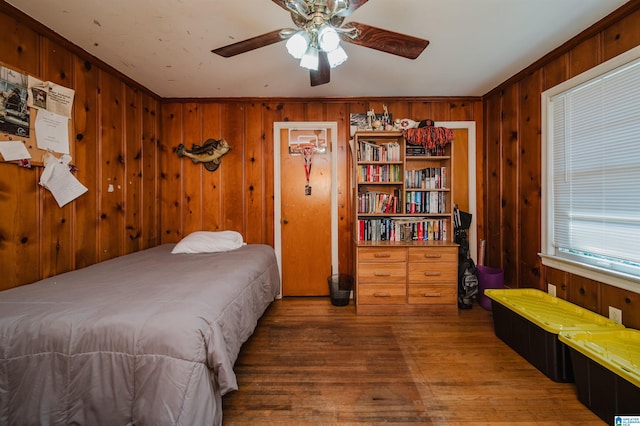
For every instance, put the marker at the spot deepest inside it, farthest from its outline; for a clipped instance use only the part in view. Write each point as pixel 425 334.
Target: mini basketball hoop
pixel 307 151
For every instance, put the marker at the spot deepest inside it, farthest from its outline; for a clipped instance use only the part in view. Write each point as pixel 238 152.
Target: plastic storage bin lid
pixel 616 350
pixel 549 312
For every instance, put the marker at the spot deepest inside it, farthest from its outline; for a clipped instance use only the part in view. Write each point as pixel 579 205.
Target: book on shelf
pixel 372 151
pixel 401 229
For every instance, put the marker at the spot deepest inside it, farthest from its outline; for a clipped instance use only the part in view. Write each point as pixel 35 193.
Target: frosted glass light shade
pixel 297 44
pixel 310 59
pixel 328 39
pixel 336 57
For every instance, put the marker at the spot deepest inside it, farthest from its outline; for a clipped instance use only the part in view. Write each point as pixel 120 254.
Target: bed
pixel 146 338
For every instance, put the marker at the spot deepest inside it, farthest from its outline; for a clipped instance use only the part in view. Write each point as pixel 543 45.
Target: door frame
pixel 471 162
pixel 332 130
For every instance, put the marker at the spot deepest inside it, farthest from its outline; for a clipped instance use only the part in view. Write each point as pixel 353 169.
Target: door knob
pixel 285 221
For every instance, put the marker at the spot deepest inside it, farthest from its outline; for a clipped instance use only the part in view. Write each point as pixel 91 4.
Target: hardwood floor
pixel 309 362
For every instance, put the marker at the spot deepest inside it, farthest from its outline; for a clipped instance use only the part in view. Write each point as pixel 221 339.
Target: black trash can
pixel 340 286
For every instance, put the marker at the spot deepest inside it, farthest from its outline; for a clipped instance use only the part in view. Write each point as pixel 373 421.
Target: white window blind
pixel 596 171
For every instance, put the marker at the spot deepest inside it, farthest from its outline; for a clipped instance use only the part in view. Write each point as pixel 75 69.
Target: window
pixel 591 153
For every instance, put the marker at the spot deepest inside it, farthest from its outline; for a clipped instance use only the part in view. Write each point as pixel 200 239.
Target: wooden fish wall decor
pixel 210 154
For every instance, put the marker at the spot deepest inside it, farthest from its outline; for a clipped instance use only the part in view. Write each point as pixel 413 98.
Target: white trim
pixel 592 272
pixel 471 147
pixel 277 207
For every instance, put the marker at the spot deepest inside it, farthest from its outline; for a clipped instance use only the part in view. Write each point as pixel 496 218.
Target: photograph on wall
pixel 14 114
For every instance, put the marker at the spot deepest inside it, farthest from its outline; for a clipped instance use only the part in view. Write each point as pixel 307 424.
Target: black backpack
pixel 467 283
pixel 467 272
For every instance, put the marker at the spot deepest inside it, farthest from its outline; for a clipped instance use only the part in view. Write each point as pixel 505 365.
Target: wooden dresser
pixel 410 278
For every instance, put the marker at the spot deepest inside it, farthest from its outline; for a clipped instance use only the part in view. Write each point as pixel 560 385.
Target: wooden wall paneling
pixel 192 175
pixel 314 111
pixel 57 242
pixel 20 46
pixel 254 161
pixel 19 226
pixel 626 301
pixel 86 159
pixel 294 111
pixel 583 57
pixel 621 36
pixel 420 110
pixel 112 177
pixel 511 140
pixel 555 72
pixel 441 111
pixel 133 166
pixel 338 112
pixel 558 278
pixel 170 173
pixel 232 168
pixel 150 176
pixel 529 179
pixel 461 110
pixel 211 188
pixel 584 292
pixel 271 113
pixel 492 159
pixel 19 196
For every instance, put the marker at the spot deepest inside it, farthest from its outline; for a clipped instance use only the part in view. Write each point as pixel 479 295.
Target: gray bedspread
pixel 147 339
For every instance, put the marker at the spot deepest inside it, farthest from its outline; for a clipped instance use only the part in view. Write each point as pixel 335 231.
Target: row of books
pixel 379 173
pixel 427 178
pixel 370 151
pixel 390 229
pixel 426 202
pixel 379 202
pixel 421 151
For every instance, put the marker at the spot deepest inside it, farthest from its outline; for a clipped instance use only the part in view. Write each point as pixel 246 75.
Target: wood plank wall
pixel 240 194
pixel 114 141
pixel 512 158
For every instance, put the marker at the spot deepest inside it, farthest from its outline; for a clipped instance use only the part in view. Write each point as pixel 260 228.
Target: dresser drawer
pixel 370 254
pixel 381 294
pixel 382 272
pixel 428 294
pixel 432 254
pixel 422 272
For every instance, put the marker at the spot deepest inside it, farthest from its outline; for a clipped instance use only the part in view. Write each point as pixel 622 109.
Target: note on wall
pixel 14 150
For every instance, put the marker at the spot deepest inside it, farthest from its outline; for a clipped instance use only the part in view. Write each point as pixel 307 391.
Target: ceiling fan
pixel 319 32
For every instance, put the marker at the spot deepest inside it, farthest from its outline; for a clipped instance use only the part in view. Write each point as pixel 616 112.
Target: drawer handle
pixel 382 255
pixel 432 274
pixel 379 294
pixel 432 295
pixel 433 255
pixel 381 274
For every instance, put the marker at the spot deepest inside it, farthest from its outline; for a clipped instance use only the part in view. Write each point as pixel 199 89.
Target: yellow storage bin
pixel 530 320
pixel 606 366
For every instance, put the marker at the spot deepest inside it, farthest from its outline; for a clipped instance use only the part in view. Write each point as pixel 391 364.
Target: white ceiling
pixel 165 45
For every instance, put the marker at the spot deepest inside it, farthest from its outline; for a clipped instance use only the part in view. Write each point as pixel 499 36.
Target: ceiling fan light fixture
pixel 298 44
pixel 310 59
pixel 328 38
pixel 336 57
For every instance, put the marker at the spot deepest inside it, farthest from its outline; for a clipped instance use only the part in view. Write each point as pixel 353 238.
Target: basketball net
pixel 307 154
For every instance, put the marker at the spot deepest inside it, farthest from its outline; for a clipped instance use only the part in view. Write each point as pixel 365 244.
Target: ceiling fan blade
pixel 249 44
pixel 386 41
pixel 353 5
pixel 323 74
pixel 282 4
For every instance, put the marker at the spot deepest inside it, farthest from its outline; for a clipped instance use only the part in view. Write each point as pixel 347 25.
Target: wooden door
pixel 305 222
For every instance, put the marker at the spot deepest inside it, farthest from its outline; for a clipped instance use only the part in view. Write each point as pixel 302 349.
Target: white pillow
pixel 209 242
